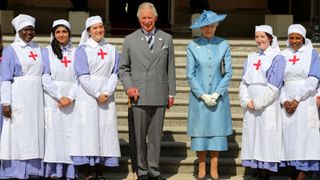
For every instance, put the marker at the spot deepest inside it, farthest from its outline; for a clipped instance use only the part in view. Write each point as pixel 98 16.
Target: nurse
pixel 94 138
pixel 209 72
pixel 301 136
pixel 22 137
pixel 259 96
pixel 59 84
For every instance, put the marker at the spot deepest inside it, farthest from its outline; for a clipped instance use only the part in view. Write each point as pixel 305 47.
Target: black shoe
pixel 157 178
pixel 202 178
pixel 212 178
pixel 143 177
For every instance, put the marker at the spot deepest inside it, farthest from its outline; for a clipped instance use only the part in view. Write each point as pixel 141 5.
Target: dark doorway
pixel 123 15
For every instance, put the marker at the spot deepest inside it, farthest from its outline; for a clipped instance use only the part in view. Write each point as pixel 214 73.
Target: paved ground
pixel 190 177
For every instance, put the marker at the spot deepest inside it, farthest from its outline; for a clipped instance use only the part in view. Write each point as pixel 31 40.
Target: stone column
pixel 5 20
pixel 172 7
pixel 107 17
pixel 315 21
pixel 279 23
pixel 77 21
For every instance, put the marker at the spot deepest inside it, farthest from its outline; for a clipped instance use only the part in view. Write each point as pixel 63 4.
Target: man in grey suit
pixel 147 72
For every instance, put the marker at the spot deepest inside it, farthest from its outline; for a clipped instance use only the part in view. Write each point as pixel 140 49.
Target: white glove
pixel 215 96
pixel 208 99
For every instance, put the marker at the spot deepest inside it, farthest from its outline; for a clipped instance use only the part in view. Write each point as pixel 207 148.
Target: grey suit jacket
pixel 152 73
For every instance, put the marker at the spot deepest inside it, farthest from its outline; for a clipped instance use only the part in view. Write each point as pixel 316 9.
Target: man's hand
pixel 133 92
pixel 6 110
pixel 170 102
pixel 103 98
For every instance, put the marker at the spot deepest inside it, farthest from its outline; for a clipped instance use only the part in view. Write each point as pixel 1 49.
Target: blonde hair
pixel 147 5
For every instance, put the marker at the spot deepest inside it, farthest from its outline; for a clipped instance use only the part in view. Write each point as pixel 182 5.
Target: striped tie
pixel 150 42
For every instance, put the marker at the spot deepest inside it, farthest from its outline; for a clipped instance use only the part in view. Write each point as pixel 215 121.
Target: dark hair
pixel 1 45
pixel 269 37
pixel 56 48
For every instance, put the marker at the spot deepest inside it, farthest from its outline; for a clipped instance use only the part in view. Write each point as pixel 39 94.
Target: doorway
pixel 123 15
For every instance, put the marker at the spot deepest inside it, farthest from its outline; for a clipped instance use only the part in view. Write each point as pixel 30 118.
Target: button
pixel 209 75
pixel 210 84
pixel 209 66
pixel 209 58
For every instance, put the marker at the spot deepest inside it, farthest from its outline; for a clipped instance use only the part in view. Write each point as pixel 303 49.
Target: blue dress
pixel 209 127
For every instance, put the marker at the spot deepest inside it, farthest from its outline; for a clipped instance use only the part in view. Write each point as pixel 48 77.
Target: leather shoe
pixel 212 178
pixel 143 177
pixel 157 178
pixel 202 178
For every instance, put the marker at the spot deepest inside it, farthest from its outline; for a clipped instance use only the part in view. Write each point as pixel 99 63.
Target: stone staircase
pixel 178 161
pixel 176 155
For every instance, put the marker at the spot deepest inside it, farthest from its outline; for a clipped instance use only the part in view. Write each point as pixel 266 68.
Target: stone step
pixel 179 134
pixel 110 175
pixel 131 176
pixel 178 119
pixel 187 165
pixel 181 69
pixel 183 149
pixel 181 93
pixel 181 81
pixel 242 45
pixel 237 57
pixel 180 106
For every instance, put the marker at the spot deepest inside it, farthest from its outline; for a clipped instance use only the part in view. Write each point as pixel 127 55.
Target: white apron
pixel 261 138
pixel 94 131
pixel 301 138
pixel 22 136
pixel 58 122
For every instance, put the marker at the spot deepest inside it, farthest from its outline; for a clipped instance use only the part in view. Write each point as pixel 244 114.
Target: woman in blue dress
pixel 208 73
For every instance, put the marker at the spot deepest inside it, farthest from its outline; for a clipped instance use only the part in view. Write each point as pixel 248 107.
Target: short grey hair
pixel 147 5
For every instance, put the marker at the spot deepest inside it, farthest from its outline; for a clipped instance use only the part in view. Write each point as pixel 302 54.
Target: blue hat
pixel 206 18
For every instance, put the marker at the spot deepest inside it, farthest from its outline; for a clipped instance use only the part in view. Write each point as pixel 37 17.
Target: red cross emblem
pixel 294 60
pixel 33 56
pixel 65 61
pixel 257 64
pixel 102 54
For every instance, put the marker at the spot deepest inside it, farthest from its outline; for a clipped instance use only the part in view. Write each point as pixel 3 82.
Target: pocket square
pixel 164 47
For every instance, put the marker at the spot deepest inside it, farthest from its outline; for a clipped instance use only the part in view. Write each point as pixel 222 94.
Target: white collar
pixel 92 43
pixel 268 51
pixel 153 32
pixel 21 43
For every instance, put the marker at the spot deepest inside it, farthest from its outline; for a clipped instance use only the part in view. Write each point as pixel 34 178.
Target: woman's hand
pixel 250 105
pixel 103 98
pixel 64 101
pixel 318 100
pixel 291 107
pixel 6 110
